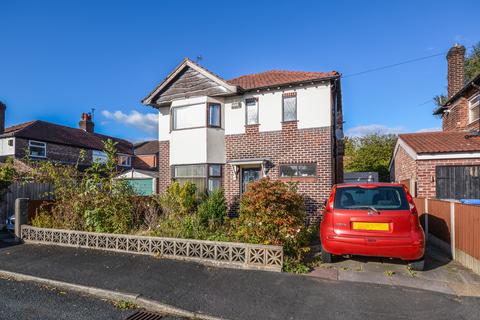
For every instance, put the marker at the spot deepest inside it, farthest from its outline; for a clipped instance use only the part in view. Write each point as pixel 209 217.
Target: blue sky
pixel 61 58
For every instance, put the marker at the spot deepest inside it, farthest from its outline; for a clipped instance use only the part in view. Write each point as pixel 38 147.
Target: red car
pixel 377 219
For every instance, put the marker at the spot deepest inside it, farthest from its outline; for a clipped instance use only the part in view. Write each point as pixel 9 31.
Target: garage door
pixel 142 187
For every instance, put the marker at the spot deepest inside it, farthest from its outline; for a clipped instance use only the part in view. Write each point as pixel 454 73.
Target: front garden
pixel 271 212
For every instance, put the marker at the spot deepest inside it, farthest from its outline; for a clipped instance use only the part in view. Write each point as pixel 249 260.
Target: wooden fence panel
pixel 31 190
pixel 439 223
pixel 467 229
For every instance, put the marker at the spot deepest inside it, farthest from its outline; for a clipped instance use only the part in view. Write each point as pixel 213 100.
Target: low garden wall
pixel 225 254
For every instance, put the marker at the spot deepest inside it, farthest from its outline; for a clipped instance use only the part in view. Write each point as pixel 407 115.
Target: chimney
pixel 2 117
pixel 456 74
pixel 86 122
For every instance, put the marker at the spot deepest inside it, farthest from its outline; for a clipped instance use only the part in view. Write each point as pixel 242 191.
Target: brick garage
pixel 418 155
pixel 284 147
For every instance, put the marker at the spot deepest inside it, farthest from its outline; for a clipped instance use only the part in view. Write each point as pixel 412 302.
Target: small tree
pixel 370 153
pixel 213 210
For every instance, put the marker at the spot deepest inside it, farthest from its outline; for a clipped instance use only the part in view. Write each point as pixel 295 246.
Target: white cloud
pixel 430 129
pixel 147 122
pixel 364 130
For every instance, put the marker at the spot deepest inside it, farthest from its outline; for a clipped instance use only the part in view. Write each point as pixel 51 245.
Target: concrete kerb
pixel 137 299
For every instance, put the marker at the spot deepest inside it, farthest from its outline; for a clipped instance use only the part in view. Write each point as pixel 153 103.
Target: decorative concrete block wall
pixel 223 254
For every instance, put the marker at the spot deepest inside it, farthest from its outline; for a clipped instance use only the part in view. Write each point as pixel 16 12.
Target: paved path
pixel 234 294
pixel 441 274
pixel 27 301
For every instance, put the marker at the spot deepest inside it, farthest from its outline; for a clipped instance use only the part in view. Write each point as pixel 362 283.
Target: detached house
pixel 445 164
pixel 284 125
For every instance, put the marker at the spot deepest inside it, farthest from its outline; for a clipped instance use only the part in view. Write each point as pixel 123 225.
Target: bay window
pixel 205 177
pixel 214 115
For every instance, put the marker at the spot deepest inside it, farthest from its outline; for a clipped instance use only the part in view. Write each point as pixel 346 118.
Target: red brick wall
pixel 426 174
pixel 164 166
pixel 288 146
pixel 457 118
pixel 148 161
pixel 404 167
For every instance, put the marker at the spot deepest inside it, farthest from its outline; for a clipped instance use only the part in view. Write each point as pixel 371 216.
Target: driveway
pixel 441 273
pixel 234 294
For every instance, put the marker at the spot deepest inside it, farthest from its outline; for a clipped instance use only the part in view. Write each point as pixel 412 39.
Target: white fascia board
pixel 450 155
pixel 406 148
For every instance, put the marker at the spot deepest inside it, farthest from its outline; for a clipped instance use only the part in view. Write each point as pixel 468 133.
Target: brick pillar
pixel 164 171
pixel 456 73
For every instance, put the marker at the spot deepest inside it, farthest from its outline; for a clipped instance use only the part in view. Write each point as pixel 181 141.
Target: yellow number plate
pixel 370 226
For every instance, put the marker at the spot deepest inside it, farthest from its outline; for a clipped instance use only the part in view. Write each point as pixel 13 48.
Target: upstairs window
pixel 297 170
pixel 289 107
pixel 124 160
pixel 99 156
pixel 37 149
pixel 214 114
pixel 474 109
pixel 188 117
pixel 252 111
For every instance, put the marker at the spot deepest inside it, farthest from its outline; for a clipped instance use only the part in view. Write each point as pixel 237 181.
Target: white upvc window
pixel 99 156
pixel 124 160
pixel 251 105
pixel 474 108
pixel 188 117
pixel 289 106
pixel 37 149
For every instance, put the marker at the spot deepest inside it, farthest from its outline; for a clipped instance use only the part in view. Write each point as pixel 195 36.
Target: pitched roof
pixel 441 142
pixel 279 77
pixel 146 147
pixel 55 133
pixel 246 82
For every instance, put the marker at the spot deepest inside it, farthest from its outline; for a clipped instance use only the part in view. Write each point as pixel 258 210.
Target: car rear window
pixel 382 198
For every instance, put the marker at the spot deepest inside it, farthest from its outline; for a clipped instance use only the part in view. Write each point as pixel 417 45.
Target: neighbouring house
pixel 284 125
pixel 144 175
pixel 40 140
pixel 445 164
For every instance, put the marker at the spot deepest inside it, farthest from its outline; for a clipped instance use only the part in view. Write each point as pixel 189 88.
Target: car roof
pixel 369 185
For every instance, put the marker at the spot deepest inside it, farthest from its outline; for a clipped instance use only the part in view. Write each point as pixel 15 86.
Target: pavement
pixel 27 301
pixel 441 273
pixel 233 294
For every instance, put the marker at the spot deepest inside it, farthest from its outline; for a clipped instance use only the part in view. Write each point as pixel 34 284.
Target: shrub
pixel 213 210
pixel 179 200
pixel 92 200
pixel 271 212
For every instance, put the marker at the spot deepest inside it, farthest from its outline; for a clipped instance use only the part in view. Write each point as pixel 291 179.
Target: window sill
pixel 289 121
pixel 252 125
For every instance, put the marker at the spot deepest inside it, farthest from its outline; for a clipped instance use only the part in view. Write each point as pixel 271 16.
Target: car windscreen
pixel 382 198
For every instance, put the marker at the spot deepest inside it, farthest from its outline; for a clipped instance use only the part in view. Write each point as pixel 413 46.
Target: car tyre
pixel 327 257
pixel 418 265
